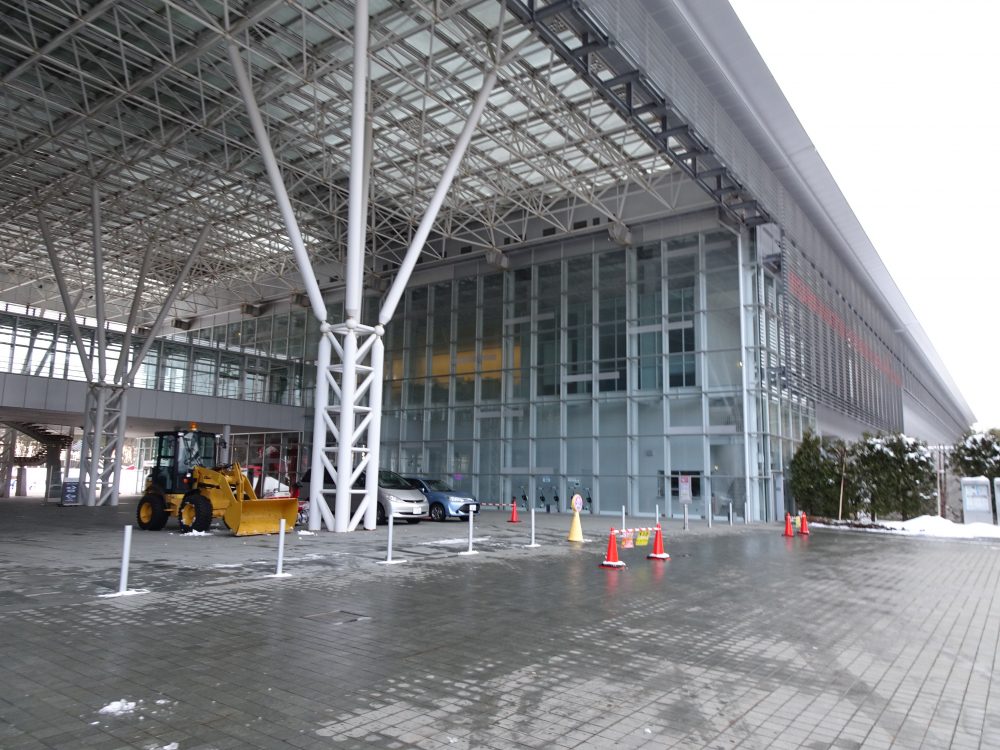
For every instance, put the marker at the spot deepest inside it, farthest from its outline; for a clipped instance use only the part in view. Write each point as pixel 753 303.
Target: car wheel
pixel 151 513
pixel 380 514
pixel 437 512
pixel 195 513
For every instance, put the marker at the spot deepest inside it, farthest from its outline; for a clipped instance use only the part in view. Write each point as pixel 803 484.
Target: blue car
pixel 444 502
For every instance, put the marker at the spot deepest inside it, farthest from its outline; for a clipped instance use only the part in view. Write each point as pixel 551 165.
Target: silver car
pixel 396 496
pixel 444 501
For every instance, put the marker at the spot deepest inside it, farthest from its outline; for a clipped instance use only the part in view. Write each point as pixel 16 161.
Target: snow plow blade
pixel 262 516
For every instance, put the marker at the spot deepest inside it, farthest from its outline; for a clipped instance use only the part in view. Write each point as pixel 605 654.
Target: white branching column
pixel 350 356
pixel 104 418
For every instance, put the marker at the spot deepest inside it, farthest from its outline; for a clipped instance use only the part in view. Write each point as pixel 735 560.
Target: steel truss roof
pixel 138 98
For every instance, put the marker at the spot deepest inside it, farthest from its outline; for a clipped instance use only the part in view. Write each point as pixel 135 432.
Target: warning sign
pixel 628 541
pixel 642 538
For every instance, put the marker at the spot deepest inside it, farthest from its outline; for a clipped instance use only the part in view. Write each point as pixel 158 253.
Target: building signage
pixel 684 489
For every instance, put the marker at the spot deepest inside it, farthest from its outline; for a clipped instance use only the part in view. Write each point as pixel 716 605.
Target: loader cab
pixel 177 452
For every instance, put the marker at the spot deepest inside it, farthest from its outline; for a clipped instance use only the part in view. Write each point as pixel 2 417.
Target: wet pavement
pixel 744 639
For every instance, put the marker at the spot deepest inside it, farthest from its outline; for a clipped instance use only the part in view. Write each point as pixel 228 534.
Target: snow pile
pixel 117 708
pixel 934 526
pixel 937 526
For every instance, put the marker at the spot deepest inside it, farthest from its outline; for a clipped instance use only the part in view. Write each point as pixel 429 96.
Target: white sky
pixel 902 100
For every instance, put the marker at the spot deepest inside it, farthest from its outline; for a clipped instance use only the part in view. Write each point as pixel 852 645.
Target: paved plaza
pixel 744 639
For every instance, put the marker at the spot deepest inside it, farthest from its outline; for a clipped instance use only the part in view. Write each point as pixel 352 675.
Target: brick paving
pixel 744 639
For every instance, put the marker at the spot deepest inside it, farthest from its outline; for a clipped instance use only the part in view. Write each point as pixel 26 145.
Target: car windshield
pixel 436 485
pixel 390 480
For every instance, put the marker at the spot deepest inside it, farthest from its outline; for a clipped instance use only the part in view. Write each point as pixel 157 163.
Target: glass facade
pixel 226 362
pixel 610 372
pixel 605 370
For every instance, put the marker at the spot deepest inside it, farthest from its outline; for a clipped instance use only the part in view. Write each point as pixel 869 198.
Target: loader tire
pixel 151 513
pixel 195 513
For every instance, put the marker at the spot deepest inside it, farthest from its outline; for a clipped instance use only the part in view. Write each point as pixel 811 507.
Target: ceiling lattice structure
pixel 137 99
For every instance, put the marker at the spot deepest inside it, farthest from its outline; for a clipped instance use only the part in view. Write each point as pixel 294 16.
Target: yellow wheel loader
pixel 185 482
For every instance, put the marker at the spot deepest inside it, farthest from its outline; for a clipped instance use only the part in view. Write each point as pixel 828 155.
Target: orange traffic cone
pixel 658 552
pixel 611 557
pixel 513 513
pixel 788 525
pixel 804 530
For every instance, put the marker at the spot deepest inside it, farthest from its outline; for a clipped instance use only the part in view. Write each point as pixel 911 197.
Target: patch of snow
pixel 127 592
pixel 197 533
pixel 934 526
pixel 306 533
pixel 463 540
pixel 117 708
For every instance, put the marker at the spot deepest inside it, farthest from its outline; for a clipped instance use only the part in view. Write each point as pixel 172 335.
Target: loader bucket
pixel 261 516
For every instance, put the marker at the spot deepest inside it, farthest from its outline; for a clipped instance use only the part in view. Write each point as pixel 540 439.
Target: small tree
pixel 897 475
pixel 978 455
pixel 816 475
pixel 849 489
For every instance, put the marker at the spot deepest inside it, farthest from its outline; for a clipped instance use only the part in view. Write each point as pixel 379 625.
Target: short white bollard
pixel 470 551
pixel 126 552
pixel 123 589
pixel 281 550
pixel 623 517
pixel 730 513
pixel 685 517
pixel 388 552
pixel 533 530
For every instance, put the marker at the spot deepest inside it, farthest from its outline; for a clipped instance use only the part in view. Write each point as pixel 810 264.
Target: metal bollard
pixel 470 551
pixel 533 530
pixel 685 517
pixel 388 553
pixel 281 549
pixel 730 512
pixel 126 551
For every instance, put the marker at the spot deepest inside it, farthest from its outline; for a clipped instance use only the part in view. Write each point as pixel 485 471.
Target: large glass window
pixel 681 331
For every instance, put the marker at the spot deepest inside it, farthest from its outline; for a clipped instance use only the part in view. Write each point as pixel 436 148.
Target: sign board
pixel 576 503
pixel 627 542
pixel 684 489
pixel 976 505
pixel 642 538
pixel 70 494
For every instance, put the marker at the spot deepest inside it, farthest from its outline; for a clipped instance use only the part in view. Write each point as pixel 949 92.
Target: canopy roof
pixel 136 100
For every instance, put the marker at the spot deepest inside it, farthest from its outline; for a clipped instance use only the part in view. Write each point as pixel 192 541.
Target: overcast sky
pixel 902 100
